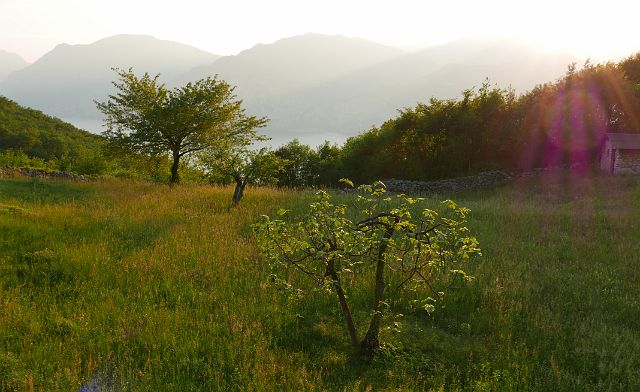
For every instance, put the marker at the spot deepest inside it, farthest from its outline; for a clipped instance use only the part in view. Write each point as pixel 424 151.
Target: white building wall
pixel 605 158
pixel 627 162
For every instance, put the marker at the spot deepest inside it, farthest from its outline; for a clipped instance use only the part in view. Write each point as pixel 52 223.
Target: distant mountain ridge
pixel 294 62
pixel 369 97
pixel 311 86
pixel 65 81
pixel 10 62
pixel 338 104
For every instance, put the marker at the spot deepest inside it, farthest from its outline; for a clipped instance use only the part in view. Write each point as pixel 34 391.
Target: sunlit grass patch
pixel 139 286
pixel 13 210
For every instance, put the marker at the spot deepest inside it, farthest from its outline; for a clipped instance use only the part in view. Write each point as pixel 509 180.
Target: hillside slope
pixel 10 62
pixel 294 62
pixel 66 80
pixel 40 135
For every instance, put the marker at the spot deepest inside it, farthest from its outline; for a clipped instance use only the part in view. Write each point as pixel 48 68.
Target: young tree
pixel 148 118
pixel 246 166
pixel 300 169
pixel 415 252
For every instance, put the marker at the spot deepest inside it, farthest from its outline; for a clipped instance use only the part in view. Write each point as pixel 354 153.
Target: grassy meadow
pixel 122 285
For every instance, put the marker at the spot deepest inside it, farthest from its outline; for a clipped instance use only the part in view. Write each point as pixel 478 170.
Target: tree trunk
pixel 371 341
pixel 239 191
pixel 175 176
pixel 355 343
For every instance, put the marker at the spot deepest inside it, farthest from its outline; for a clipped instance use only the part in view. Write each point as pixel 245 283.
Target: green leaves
pixel 145 117
pixel 422 249
pixel 282 211
pixel 346 181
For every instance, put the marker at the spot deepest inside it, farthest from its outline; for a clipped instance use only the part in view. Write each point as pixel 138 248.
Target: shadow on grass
pixel 330 353
pixel 38 254
pixel 426 345
pixel 129 238
pixel 35 190
pixel 318 332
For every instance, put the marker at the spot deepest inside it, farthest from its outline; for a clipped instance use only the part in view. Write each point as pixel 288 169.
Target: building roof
pixel 624 141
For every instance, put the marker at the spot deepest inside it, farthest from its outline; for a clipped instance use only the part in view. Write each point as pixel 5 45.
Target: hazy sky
pixel 602 29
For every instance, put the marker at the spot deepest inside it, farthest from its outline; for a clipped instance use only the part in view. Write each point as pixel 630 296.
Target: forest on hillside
pixel 33 139
pixel 39 135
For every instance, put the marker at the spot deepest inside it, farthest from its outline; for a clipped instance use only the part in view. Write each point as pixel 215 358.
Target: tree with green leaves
pixel 301 165
pixel 146 117
pixel 235 158
pixel 379 236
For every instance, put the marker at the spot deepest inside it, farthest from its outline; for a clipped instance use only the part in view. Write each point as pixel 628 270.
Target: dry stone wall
pixel 25 171
pixel 482 180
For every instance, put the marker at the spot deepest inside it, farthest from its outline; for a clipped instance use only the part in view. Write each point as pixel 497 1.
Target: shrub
pixel 377 232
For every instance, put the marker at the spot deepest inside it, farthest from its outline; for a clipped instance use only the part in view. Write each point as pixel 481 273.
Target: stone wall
pixel 452 185
pixel 482 180
pixel 24 171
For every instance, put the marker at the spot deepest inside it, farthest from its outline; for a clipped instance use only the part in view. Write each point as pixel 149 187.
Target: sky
pixel 601 30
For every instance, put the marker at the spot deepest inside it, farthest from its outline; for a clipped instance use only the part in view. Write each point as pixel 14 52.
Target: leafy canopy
pixel 147 117
pixel 236 159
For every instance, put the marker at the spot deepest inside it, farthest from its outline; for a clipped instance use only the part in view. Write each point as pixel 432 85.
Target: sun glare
pixel 582 28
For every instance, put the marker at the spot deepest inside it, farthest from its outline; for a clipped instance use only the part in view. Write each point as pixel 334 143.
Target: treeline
pixel 562 122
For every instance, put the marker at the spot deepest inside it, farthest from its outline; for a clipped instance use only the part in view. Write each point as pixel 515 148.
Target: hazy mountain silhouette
pixel 10 62
pixel 311 86
pixel 66 80
pixel 368 97
pixel 294 62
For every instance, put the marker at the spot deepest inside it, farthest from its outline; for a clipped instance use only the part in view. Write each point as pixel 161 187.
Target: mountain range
pixel 9 63
pixel 65 81
pixel 312 87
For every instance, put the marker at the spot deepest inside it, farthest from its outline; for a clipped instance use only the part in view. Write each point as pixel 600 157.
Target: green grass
pixel 140 287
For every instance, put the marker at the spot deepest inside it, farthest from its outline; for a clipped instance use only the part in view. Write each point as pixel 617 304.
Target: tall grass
pixel 134 286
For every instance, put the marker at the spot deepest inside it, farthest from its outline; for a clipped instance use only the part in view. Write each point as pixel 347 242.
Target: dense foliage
pixel 305 166
pixel 47 141
pixel 558 123
pixel 145 117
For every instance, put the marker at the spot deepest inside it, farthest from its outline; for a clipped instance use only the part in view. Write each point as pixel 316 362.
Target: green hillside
pixel 41 136
pixel 29 137
pixel 122 285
